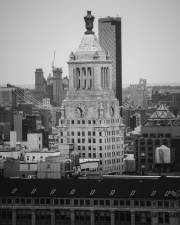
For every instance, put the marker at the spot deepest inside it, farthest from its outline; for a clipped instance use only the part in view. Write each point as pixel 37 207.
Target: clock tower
pixel 90 117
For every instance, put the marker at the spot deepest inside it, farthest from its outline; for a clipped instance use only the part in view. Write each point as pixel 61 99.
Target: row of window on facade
pixel 90 140
pixel 153 141
pixel 94 202
pixel 83 78
pixel 93 121
pixel 90 133
pixel 44 216
pixel 158 135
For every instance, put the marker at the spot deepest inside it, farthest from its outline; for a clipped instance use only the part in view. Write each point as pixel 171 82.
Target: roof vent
pixel 153 193
pixel 72 192
pixel 52 191
pixel 14 190
pixel 33 191
pixel 92 191
pixel 132 192
pixel 112 192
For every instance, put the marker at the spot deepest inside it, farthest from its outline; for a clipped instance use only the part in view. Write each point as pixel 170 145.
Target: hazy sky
pixel 32 29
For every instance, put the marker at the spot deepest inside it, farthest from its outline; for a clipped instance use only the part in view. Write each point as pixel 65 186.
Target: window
pixel 148 203
pixel 166 204
pixel 142 203
pixel 107 202
pixel 101 202
pixel 160 203
pixel 115 202
pixel 62 201
pixel 136 203
pixel 81 202
pixel 75 201
pixel 87 202
pixel 95 202
pixel 121 202
pixel 36 201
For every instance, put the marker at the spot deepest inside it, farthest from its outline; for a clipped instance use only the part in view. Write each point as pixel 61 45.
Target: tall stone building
pixel 110 40
pixel 139 94
pixel 40 91
pixel 90 117
pixel 57 86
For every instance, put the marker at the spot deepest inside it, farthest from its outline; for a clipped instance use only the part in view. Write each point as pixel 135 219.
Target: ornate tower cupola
pixel 90 118
pixel 90 65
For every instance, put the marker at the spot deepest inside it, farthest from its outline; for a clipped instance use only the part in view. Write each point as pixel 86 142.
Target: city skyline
pixel 32 30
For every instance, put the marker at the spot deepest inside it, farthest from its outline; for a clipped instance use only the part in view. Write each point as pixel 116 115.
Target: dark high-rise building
pixel 110 40
pixel 40 90
pixel 57 86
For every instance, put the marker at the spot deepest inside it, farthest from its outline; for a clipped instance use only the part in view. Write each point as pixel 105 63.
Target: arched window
pixel 102 77
pixel 78 78
pixel 89 78
pixel 84 78
pixel 108 78
pixel 74 78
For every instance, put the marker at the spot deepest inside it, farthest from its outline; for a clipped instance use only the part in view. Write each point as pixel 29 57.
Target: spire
pixel 89 19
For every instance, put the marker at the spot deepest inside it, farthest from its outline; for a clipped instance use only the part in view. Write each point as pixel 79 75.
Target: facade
pixel 126 201
pixel 34 141
pixel 110 40
pixel 7 97
pixel 36 156
pixel 139 94
pixel 57 86
pixel 162 128
pixel 90 117
pixel 18 118
pixel 6 123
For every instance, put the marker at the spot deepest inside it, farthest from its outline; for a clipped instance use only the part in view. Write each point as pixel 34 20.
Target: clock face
pixel 80 110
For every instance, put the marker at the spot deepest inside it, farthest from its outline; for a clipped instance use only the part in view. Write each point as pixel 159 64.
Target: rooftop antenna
pixel 53 60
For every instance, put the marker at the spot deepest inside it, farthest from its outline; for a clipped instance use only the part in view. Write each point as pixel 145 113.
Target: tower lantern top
pixel 89 19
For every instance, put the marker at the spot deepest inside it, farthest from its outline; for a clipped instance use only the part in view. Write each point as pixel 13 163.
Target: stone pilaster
pixel 112 217
pixel 154 218
pixel 33 217
pixel 72 217
pixel 92 218
pixel 132 217
pixel 52 217
pixel 13 216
